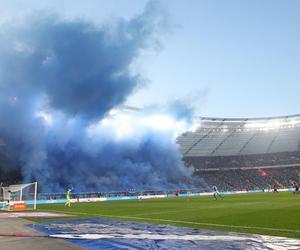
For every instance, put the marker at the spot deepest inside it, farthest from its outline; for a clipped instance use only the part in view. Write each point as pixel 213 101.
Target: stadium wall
pixel 61 201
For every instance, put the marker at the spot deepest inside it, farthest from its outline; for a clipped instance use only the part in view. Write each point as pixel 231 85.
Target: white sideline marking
pixel 32 214
pixel 182 210
pixel 184 222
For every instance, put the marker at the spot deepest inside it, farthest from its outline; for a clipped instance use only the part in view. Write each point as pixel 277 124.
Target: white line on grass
pixel 183 222
pixel 182 210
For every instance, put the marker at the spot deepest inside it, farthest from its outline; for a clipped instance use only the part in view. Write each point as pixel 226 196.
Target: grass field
pixel 260 213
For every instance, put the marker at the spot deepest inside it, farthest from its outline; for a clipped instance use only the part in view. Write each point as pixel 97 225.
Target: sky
pixel 231 58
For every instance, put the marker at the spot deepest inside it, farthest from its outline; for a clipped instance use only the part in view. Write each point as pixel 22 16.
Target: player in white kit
pixel 216 193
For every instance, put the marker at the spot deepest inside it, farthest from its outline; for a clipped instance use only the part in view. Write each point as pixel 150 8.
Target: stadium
pixel 111 128
pixel 245 154
pixel 245 158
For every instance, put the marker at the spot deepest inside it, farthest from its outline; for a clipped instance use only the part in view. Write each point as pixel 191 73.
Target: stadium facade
pixel 244 153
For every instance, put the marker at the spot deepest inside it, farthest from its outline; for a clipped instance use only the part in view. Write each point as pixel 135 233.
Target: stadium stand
pixel 231 153
pixel 242 154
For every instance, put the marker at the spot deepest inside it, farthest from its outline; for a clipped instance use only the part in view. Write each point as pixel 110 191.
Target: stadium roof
pixel 250 119
pixel 242 136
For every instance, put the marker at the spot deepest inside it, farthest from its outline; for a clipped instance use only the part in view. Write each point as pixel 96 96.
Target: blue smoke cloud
pixel 58 81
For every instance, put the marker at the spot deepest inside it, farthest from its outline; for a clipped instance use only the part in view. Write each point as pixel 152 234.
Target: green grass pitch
pixel 260 213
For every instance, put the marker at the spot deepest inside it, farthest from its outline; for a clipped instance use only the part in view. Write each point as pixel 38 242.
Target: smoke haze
pixel 60 81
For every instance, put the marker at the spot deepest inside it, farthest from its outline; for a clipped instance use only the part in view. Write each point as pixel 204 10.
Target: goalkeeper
pixel 68 197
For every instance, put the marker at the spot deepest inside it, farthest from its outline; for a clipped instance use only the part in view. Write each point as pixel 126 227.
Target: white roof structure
pixel 242 136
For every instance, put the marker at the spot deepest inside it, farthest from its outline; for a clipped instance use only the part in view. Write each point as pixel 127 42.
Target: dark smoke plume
pixel 58 81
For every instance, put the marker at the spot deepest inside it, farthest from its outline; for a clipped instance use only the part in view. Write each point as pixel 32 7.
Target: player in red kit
pixel 296 186
pixel 275 188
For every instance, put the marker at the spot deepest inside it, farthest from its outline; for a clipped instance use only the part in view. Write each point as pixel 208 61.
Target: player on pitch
pixel 216 193
pixel 68 197
pixel 296 186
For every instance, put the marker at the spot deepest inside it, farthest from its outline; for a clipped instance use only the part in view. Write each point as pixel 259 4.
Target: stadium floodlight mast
pixel 18 197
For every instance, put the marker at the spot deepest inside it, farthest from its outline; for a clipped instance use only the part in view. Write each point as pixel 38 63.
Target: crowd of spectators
pixel 248 172
pixel 242 161
pixel 250 179
pixel 228 173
